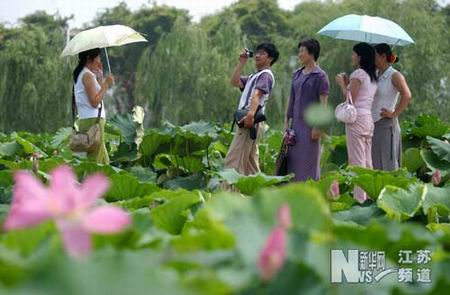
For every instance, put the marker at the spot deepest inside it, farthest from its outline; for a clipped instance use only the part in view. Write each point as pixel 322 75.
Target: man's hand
pixel 315 134
pixel 243 57
pixel 249 120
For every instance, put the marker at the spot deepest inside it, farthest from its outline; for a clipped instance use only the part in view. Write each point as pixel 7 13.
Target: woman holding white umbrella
pixel 87 98
pixel 90 87
pixel 386 143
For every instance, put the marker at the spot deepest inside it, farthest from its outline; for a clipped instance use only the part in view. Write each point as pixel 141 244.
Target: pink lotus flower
pixel 70 205
pixel 284 216
pixel 273 255
pixel 436 177
pixel 334 190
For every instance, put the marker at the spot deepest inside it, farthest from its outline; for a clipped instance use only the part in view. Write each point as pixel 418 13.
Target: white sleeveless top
pixel 386 96
pixel 85 109
pixel 249 88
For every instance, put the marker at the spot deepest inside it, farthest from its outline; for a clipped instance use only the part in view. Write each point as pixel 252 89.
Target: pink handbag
pixel 289 137
pixel 346 112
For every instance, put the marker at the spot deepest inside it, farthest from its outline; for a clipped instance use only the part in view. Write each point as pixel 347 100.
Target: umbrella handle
pixel 107 60
pixel 395 45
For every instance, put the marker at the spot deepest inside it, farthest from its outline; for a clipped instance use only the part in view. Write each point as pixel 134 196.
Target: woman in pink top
pixel 362 86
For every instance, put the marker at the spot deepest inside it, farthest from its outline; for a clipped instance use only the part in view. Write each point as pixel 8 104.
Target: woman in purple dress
pixel 310 85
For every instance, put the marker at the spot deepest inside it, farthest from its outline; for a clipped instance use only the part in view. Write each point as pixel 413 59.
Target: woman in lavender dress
pixel 309 85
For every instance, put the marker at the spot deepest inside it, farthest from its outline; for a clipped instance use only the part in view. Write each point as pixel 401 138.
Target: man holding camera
pixel 256 88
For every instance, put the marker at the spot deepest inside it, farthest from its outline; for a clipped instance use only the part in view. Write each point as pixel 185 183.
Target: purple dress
pixel 304 156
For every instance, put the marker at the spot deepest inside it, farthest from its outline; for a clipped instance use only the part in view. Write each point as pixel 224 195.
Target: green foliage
pixel 176 80
pixel 440 148
pixel 154 142
pixel 153 22
pixel 9 149
pixel 130 126
pixel 86 168
pixel 334 153
pixel 185 240
pixel 34 79
pixel 195 181
pixel 260 20
pixel 203 242
pixel 427 125
pixel 412 160
pixel 28 147
pixel 61 136
pixel 374 181
pixel 204 233
pixel 434 163
pixel 125 186
pixel 400 204
pixel 251 184
pixel 437 198
pixel 175 211
pixel 318 115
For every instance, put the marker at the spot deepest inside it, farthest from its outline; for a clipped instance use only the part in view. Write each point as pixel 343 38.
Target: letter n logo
pixel 340 265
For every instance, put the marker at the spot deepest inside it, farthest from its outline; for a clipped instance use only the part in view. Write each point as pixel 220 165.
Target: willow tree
pixel 187 76
pixel 35 85
pixel 152 21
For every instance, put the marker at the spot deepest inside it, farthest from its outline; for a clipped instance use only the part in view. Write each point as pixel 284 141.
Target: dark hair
pixel 385 49
pixel 83 57
pixel 367 62
pixel 271 50
pixel 312 45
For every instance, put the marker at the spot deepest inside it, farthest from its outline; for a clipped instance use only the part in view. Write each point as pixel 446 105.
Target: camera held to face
pixel 249 52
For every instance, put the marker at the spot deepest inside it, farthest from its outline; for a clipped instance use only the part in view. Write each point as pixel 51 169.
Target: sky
pixel 85 10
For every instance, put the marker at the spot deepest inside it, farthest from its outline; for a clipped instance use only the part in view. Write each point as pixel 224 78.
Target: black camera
pixel 249 53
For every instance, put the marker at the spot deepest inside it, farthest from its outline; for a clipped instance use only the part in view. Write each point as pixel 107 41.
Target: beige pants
pixel 243 154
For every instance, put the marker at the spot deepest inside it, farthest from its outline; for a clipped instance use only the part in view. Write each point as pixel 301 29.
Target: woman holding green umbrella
pixel 386 142
pixel 88 93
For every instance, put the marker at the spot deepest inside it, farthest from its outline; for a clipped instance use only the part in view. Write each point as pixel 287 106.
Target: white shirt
pixel 386 96
pixel 85 109
pixel 249 89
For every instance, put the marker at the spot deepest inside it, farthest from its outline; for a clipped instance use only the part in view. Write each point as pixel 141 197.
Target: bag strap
pixel 282 145
pixel 232 125
pixel 74 108
pixel 258 74
pixel 100 111
pixel 283 148
pixel 249 94
pixel 349 97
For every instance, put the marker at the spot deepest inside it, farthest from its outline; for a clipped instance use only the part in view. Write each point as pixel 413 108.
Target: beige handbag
pixel 88 141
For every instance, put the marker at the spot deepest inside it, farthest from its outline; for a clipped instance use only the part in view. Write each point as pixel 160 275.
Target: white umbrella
pixel 364 28
pixel 102 37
